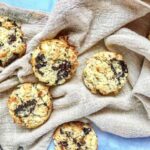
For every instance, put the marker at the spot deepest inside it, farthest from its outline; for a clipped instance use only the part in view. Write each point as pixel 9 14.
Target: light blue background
pixel 42 5
pixel 106 141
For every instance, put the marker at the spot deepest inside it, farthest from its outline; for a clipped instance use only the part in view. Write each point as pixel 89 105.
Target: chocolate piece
pixel 1 44
pixel 61 131
pixel 0 23
pixel 86 130
pixel 11 39
pixel 63 67
pixel 124 68
pixel 40 72
pixel 38 66
pixel 9 20
pixel 79 145
pixel 14 23
pixel 11 59
pixel 25 109
pixel 75 141
pixel 22 39
pixel 61 75
pixel 1 63
pixel 40 60
pixel 64 143
pixel 68 134
pixel 82 141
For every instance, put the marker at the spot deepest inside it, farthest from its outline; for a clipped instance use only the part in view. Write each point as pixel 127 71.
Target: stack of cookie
pixel 54 62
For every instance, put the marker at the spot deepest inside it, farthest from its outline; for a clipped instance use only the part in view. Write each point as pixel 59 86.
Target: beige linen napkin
pixel 86 23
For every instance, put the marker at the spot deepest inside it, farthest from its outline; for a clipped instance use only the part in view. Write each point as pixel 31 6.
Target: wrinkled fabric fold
pixel 92 26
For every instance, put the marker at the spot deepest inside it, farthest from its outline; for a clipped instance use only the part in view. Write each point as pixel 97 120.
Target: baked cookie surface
pixel 54 61
pixel 75 136
pixel 106 73
pixel 12 45
pixel 30 105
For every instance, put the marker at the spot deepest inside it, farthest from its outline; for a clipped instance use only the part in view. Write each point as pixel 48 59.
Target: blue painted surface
pixel 106 141
pixel 41 5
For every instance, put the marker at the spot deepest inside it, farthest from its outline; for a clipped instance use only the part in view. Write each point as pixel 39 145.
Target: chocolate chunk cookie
pixel 75 136
pixel 106 73
pixel 12 45
pixel 54 61
pixel 30 105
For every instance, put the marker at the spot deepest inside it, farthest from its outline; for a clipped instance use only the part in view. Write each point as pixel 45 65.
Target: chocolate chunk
pixel 11 39
pixel 20 148
pixel 14 23
pixel 54 68
pixel 120 74
pixel 61 131
pixel 25 109
pixel 1 44
pixel 40 57
pixel 82 141
pixel 11 59
pixel 0 62
pixel 63 67
pixel 0 23
pixel 40 60
pixel 38 66
pixel 61 75
pixel 22 39
pixel 124 68
pixel 86 130
pixel 75 141
pixel 40 72
pixel 64 143
pixel 45 104
pixel 79 145
pixel 113 69
pixel 9 20
pixel 68 134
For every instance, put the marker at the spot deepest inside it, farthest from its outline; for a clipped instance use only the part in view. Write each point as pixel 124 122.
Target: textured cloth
pixel 86 23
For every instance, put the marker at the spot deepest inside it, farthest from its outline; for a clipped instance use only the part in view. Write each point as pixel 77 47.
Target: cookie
pixel 30 105
pixel 12 45
pixel 105 73
pixel 75 136
pixel 54 61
